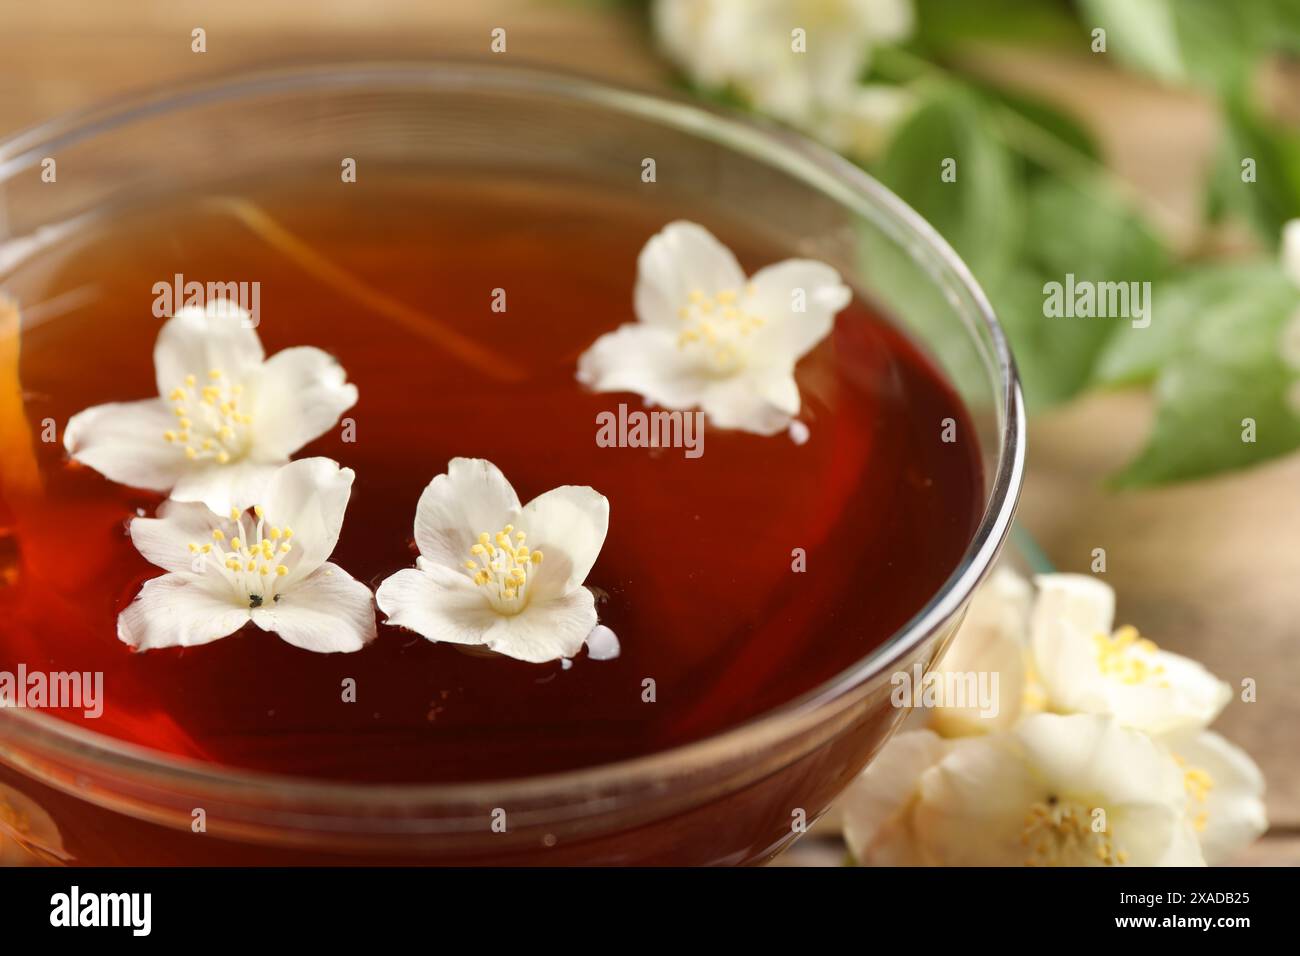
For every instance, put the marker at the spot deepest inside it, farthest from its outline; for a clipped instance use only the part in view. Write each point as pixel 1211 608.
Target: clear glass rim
pixel 824 170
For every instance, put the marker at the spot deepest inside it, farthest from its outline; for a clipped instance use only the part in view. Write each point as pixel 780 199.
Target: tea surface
pixel 696 575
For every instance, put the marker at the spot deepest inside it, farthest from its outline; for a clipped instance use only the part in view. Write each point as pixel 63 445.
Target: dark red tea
pixel 396 277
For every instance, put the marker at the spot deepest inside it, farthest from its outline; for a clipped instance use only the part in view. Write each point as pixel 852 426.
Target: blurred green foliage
pixel 1033 202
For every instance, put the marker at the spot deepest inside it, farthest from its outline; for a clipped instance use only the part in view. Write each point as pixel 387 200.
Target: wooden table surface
pixel 1210 568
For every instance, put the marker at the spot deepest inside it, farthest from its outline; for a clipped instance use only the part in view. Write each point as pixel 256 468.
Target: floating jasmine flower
pixel 707 337
pixel 497 575
pixel 1085 668
pixel 226 417
pixel 269 567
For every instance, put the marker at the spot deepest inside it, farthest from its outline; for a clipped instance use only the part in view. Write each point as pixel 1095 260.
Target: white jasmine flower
pixel 28 835
pixel 1225 793
pixel 877 808
pixel 494 574
pixel 993 639
pixel 861 122
pixel 226 416
pixel 269 567
pixel 1057 791
pixel 707 337
pixel 1291 250
pixel 1084 668
pixel 747 47
pixel 1075 790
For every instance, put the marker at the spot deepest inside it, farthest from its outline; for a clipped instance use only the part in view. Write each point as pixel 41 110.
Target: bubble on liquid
pixel 602 644
pixel 565 663
pixel 799 432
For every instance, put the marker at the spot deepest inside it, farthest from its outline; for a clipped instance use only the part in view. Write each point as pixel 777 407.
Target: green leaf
pixel 1053 355
pixel 1207 43
pixel 1087 230
pixel 944 24
pixel 1221 43
pixel 1141 33
pixel 1079 230
pixel 1231 293
pixel 1019 227
pixel 1274 195
pixel 1050 121
pixel 980 213
pixel 1223 371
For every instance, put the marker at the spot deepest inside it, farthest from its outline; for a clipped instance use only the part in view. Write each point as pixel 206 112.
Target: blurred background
pixel 1165 148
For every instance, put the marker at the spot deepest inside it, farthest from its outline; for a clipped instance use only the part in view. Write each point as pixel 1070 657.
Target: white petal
pixel 1077 601
pixel 1185 696
pixel 1291 250
pixel 758 403
pixel 309 496
pixel 238 484
pixel 472 497
pixel 1095 754
pixel 1125 772
pixel 1070 610
pixel 437 603
pixel 887 21
pixel 165 540
pixel 174 611
pixel 1233 811
pixel 572 521
pixel 993 639
pixel 123 441
pixel 973 803
pixel 877 806
pixel 195 341
pixel 862 122
pixel 786 332
pixel 299 395
pixel 644 360
pixel 329 612
pixel 545 630
pixel 683 257
pixel 442 605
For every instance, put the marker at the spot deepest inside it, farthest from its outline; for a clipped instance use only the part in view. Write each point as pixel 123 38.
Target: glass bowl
pixel 738 797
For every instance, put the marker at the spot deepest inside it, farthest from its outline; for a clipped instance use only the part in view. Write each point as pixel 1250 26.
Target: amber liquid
pixel 695 578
